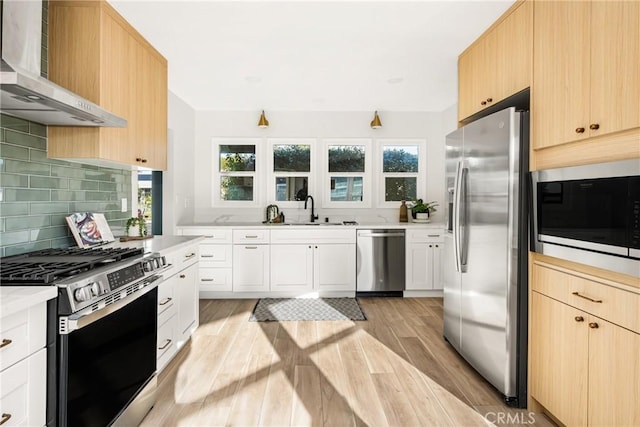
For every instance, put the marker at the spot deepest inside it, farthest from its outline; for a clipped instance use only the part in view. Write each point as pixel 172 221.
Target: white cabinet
pixel 250 268
pixel 250 260
pixel 186 291
pixel 178 303
pixel 291 267
pixel 167 324
pixel 216 255
pixel 334 267
pixel 313 260
pixel 423 249
pixel 23 376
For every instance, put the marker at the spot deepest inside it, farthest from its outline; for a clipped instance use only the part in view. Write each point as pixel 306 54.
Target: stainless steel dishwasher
pixel 380 262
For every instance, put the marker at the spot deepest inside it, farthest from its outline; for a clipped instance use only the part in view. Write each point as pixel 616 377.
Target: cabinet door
pixel 116 93
pixel 514 52
pixel 23 392
pixel 334 267
pixel 186 291
pixel 250 268
pixel 418 275
pixel 436 253
pixel 291 267
pixel 615 66
pixel 559 359
pixel 560 98
pixel 614 375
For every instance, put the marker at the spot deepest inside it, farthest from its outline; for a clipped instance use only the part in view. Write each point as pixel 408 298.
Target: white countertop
pixel 360 225
pixel 17 298
pixel 159 243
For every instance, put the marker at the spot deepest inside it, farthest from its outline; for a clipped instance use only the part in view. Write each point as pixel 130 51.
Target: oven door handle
pixel 79 320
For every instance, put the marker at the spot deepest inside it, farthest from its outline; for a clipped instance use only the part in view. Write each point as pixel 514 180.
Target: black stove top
pixel 48 265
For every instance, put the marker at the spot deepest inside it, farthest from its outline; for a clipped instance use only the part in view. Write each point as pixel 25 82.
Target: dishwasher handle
pixel 367 234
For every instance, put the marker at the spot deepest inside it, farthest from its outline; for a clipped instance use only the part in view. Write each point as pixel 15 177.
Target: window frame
pixel 421 175
pixel 271 175
pixel 216 200
pixel 367 175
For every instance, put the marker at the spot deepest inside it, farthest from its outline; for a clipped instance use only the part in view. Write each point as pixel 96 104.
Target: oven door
pixel 107 362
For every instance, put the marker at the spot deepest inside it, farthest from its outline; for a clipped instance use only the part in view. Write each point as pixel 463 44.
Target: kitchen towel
pixel 283 309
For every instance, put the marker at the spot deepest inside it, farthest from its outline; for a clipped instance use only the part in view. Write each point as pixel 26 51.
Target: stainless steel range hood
pixel 24 93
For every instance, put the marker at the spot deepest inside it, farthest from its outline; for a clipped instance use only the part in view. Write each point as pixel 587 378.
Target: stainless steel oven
pixel 589 214
pixel 101 366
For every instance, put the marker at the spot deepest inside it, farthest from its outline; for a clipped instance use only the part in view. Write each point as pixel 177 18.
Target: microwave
pixel 589 214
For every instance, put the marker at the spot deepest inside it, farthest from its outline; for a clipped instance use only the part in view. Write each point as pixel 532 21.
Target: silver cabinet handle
pixel 206 256
pixel 165 301
pixel 433 235
pixel 166 344
pixel 206 280
pixel 191 255
pixel 251 247
pixel 250 237
pixel 5 342
pixel 208 236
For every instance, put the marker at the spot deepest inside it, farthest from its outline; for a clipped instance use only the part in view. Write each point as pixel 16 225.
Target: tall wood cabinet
pixel 586 70
pixel 498 64
pixel 97 54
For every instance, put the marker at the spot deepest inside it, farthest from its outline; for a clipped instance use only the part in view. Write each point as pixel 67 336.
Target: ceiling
pixel 312 55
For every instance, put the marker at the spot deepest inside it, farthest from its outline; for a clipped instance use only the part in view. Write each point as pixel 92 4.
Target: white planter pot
pixel 134 231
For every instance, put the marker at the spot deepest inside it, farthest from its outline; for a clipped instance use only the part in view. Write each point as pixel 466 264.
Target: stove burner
pixel 48 265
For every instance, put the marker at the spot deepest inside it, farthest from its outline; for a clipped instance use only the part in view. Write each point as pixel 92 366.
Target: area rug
pixel 284 309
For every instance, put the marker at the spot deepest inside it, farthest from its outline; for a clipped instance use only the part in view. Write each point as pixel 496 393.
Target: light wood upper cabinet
pixel 615 66
pixel 498 64
pixel 97 54
pixel 586 70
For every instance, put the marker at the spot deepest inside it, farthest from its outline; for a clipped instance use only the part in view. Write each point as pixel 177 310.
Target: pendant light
pixel 263 122
pixel 376 123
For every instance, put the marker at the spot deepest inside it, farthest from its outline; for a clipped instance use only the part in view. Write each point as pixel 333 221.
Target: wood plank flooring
pixel 394 369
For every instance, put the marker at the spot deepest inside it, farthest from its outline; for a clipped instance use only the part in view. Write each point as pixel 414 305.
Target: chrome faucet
pixel 313 217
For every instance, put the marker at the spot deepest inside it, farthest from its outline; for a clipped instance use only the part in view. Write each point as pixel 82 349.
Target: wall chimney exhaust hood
pixel 24 93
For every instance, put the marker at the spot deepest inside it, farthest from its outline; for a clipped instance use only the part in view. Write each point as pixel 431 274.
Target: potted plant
pixel 421 210
pixel 136 227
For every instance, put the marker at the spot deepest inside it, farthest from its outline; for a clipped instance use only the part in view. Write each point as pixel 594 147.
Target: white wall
pixel 209 124
pixel 178 180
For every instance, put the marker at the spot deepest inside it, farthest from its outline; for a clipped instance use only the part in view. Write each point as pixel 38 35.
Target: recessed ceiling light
pixel 395 80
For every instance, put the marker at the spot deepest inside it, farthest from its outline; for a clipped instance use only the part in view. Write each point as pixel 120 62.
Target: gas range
pixel 94 277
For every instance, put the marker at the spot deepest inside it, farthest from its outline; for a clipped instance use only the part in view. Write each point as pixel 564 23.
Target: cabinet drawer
pixel 306 236
pixel 166 342
pixel 424 236
pixel 165 298
pixel 615 305
pixel 250 236
pixel 216 255
pixel 23 391
pixel 22 333
pixel 215 279
pixel 211 235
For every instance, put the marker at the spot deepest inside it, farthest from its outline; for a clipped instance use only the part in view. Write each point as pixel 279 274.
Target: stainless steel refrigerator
pixel 486 247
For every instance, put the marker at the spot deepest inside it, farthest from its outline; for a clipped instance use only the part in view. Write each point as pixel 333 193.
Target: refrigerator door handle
pixel 463 221
pixel 456 216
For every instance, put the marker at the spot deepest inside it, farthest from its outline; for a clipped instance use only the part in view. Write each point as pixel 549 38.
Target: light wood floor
pixel 394 369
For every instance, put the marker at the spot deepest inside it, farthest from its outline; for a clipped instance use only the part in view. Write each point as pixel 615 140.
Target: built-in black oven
pixel 589 214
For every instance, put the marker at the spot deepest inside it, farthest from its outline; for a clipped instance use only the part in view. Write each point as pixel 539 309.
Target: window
pixel 346 182
pixel 236 164
pixel 291 170
pixel 402 176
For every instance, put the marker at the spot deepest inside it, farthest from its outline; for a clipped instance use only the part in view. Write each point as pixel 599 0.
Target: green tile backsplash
pixel 37 193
